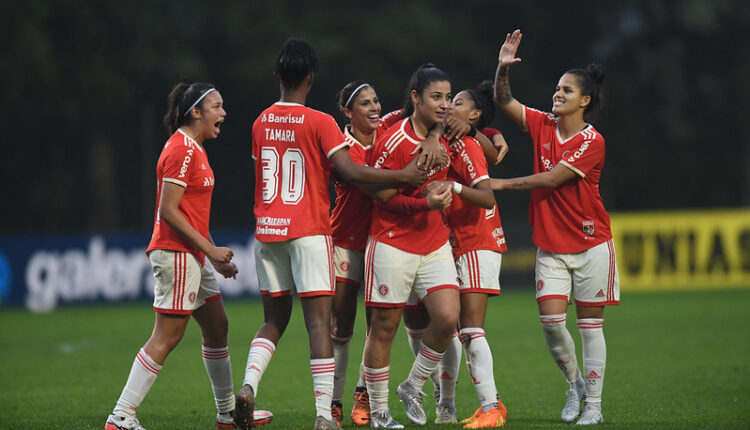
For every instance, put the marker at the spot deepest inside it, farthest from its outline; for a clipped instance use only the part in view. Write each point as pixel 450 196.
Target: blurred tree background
pixel 88 82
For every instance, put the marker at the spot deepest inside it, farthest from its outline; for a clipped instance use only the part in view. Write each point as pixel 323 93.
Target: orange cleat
pixel 361 409
pixel 337 413
pixel 490 419
pixel 472 418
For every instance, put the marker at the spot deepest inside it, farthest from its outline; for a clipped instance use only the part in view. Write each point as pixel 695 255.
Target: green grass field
pixel 675 360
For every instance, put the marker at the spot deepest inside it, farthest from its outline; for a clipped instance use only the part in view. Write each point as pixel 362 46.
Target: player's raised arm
pixel 505 59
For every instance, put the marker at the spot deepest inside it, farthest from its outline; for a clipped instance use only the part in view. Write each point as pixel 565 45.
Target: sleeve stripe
pixel 341 145
pixel 480 179
pixel 175 181
pixel 569 166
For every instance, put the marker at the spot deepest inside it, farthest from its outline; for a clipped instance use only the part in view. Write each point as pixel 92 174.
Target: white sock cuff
pixel 147 362
pixel 260 342
pixel 214 353
pixel 473 332
pixel 590 323
pixel 340 340
pixel 429 353
pixel 322 365
pixel 415 333
pixel 377 375
pixel 553 319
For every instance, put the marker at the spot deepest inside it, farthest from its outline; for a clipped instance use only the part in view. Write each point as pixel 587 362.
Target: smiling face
pixel 210 116
pixel 463 107
pixel 432 105
pixel 568 99
pixel 364 112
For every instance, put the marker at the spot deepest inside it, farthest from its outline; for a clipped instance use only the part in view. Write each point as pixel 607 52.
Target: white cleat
pixel 384 420
pixel 445 414
pixel 592 414
pixel 117 422
pixel 412 399
pixel 572 408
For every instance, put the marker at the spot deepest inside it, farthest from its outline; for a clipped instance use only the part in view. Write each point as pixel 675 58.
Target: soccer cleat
pixel 325 424
pixel 412 399
pixel 117 422
pixel 472 418
pixel 225 421
pixel 445 414
pixel 490 419
pixel 261 417
pixel 592 414
pixel 361 409
pixel 244 405
pixel 384 420
pixel 337 412
pixel 572 408
pixel 503 411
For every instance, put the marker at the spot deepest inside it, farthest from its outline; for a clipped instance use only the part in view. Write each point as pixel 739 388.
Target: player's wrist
pixel 457 187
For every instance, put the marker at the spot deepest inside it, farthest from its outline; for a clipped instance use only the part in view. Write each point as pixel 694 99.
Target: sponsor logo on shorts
pixel 539 285
pixel 383 290
pixel 191 297
pixel 600 294
pixel 588 227
pixel 345 266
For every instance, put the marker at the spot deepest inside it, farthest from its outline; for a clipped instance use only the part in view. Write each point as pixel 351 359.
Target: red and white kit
pixel 571 218
pixel 477 235
pixel 291 146
pixel 182 282
pixel 416 251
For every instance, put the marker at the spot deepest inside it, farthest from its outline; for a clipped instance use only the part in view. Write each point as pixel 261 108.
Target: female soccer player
pixel 409 251
pixel 478 243
pixel 180 243
pixel 293 148
pixel 571 226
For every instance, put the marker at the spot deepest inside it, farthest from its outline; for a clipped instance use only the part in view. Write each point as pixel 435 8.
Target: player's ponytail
pixel 421 79
pixel 182 98
pixel 591 81
pixel 483 100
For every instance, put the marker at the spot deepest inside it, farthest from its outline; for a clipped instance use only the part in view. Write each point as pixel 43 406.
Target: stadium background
pixel 86 86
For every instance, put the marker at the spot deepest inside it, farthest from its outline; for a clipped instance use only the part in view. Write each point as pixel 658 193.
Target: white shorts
pixel 479 272
pixel 350 265
pixel 591 275
pixel 392 274
pixel 304 263
pixel 182 285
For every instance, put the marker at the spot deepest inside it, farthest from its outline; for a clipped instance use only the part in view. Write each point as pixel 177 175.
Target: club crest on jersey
pixel 588 227
pixel 383 290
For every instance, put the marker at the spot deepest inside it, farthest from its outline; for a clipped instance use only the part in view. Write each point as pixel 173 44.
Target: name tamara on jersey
pixel 279 135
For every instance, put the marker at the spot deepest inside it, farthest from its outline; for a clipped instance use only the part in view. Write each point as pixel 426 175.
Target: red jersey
pixel 473 228
pixel 291 146
pixel 184 162
pixel 417 232
pixel 570 218
pixel 350 219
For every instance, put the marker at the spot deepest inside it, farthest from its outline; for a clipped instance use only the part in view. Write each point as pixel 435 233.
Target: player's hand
pixel 413 175
pixel 432 153
pixel 507 55
pixel 227 270
pixel 455 128
pixel 431 187
pixel 498 141
pixel 441 196
pixel 220 254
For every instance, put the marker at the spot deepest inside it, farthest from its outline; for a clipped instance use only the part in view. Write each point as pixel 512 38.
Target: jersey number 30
pixel 291 168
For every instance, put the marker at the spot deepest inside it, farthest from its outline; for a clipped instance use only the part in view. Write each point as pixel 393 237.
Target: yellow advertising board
pixel 683 249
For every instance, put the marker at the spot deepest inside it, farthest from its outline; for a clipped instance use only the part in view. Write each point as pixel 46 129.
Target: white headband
pixel 198 101
pixel 354 93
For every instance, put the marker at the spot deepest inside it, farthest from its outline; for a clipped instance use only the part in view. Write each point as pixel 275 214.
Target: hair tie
pixel 198 101
pixel 354 93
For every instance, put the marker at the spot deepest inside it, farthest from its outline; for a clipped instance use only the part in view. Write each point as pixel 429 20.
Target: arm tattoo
pixel 520 185
pixel 502 87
